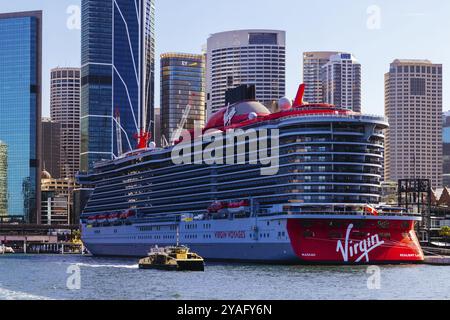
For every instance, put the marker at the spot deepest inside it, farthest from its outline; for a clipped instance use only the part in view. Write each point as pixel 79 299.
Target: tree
pixel 445 233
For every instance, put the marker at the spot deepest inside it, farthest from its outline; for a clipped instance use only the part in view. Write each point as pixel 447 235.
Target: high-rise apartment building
pixel 446 149
pixel 413 105
pixel 65 109
pixel 341 82
pixel 241 57
pixel 182 92
pixel 313 63
pixel 51 147
pixel 117 76
pixel 3 179
pixel 20 110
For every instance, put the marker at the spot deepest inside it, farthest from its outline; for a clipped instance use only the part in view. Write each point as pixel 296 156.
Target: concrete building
pixel 20 110
pixel 341 82
pixel 446 149
pixel 413 105
pixel 158 134
pixel 57 200
pixel 3 179
pixel 51 147
pixel 246 57
pixel 182 85
pixel 313 63
pixel 117 76
pixel 65 109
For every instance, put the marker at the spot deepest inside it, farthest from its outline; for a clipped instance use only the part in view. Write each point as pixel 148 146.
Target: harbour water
pixel 52 277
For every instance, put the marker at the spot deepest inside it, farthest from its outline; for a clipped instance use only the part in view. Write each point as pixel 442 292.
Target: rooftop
pixel 411 61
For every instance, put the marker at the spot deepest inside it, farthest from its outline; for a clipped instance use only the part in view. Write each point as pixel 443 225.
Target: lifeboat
pixel 126 215
pixel 91 219
pixel 101 218
pixel 113 217
pixel 237 207
pixel 217 206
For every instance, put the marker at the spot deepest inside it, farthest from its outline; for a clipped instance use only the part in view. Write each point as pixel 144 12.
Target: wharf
pixel 437 260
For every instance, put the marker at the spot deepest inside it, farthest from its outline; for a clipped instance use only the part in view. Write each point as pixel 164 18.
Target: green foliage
pixel 445 232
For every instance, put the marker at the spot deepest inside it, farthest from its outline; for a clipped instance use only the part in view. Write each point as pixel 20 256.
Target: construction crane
pixel 177 133
pixel 118 133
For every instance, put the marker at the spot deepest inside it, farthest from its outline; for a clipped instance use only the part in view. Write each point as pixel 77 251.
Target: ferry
pixel 308 194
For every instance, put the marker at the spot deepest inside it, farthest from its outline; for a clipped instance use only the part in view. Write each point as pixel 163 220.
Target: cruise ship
pixel 309 193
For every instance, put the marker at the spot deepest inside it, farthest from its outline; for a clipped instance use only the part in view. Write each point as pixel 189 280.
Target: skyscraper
pixel 65 109
pixel 117 76
pixel 51 147
pixel 341 82
pixel 446 148
pixel 20 109
pixel 313 63
pixel 413 105
pixel 182 85
pixel 3 179
pixel 246 57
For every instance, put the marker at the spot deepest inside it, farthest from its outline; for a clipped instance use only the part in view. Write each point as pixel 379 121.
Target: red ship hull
pixel 352 241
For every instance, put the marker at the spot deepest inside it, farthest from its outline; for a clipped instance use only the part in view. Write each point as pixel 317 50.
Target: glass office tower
pixel 20 110
pixel 3 179
pixel 182 85
pixel 117 76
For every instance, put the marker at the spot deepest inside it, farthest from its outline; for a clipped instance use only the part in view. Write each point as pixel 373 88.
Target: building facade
pixel 117 76
pixel 51 147
pixel 313 62
pixel 158 134
pixel 65 109
pixel 341 82
pixel 56 202
pixel 3 179
pixel 413 105
pixel 446 148
pixel 242 57
pixel 182 92
pixel 20 109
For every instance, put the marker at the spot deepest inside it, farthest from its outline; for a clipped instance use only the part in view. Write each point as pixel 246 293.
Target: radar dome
pixel 285 104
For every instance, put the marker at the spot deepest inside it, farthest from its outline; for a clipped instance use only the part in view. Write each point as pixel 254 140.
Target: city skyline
pixel 401 24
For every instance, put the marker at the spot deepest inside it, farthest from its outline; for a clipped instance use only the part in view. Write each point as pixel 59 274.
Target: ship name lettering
pixel 362 248
pixel 230 234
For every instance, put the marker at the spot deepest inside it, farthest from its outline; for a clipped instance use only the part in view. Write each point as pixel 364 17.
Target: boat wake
pixel 118 266
pixel 17 295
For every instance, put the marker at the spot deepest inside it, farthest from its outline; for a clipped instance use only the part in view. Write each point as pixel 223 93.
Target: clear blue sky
pixel 413 29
